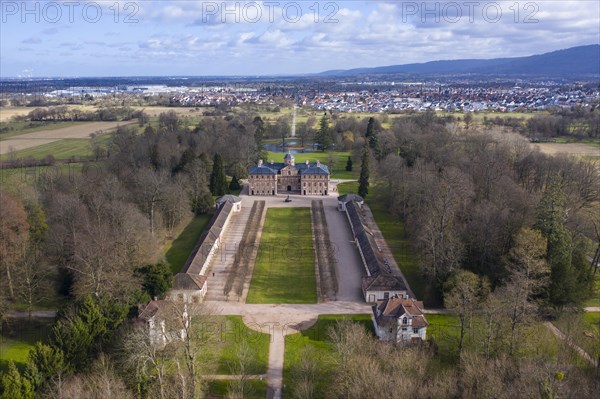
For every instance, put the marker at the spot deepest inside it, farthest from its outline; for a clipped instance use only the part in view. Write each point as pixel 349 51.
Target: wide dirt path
pixel 80 131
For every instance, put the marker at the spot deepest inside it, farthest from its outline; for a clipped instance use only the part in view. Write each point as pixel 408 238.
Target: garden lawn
pixel 349 187
pixel 285 266
pixel 18 336
pixel 318 337
pixel 595 298
pixel 180 249
pixel 338 171
pixel 231 333
pixel 219 388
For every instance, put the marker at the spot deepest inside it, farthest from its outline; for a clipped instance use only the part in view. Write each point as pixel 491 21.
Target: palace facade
pixel 309 178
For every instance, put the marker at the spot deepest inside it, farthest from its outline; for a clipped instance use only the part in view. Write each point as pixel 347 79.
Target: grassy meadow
pixel 285 268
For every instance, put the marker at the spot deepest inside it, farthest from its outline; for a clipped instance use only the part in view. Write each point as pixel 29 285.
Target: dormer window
pixel 405 320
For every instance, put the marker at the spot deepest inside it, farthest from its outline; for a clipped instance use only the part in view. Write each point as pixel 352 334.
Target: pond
pixel 293 146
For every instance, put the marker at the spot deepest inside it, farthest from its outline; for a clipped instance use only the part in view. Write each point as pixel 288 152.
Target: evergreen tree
pixel 349 165
pixel 218 181
pixel 203 203
pixel 157 279
pixel 363 181
pixel 323 137
pixel 259 136
pixel 235 184
pixel 372 139
pixel 15 386
pixel 44 362
pixel 568 283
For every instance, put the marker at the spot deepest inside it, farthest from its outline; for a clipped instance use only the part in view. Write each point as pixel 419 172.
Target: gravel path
pixel 575 347
pixel 279 321
pixel 42 314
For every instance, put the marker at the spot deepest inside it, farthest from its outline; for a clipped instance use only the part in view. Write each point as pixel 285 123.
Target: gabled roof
pixel 397 307
pixel 186 281
pixel 228 198
pixel 273 168
pixel 146 312
pixel 263 170
pixel 388 311
pixel 207 239
pixel 313 169
pixel 383 282
pixel 350 197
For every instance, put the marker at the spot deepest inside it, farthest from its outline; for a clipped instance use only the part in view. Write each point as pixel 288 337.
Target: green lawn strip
pixel 14 178
pixel 444 329
pixel 393 231
pixel 14 129
pixel 349 187
pixel 318 337
pixel 230 333
pixel 18 336
pixel 395 236
pixel 61 149
pixel 179 249
pixel 595 299
pixel 337 172
pixel 256 389
pixel 583 328
pixel 285 266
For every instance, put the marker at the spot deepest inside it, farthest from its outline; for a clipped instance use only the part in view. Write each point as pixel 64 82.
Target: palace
pixel 288 178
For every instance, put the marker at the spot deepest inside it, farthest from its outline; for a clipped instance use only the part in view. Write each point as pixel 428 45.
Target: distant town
pixel 340 95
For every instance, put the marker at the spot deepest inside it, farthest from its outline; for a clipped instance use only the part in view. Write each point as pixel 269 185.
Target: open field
pixel 79 131
pixel 316 339
pixel 6 113
pixel 179 249
pixel 60 149
pixel 183 111
pixel 579 149
pixel 12 129
pixel 18 336
pixel 285 267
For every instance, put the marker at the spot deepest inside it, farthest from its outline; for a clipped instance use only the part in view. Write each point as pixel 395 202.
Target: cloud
pixel 32 40
pixel 50 31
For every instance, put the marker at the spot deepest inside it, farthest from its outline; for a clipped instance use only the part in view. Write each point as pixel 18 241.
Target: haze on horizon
pixel 196 38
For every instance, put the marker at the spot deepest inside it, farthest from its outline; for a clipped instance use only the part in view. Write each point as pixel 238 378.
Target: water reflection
pixel 293 146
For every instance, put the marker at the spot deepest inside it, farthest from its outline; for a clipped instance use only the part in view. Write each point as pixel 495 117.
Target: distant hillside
pixel 575 61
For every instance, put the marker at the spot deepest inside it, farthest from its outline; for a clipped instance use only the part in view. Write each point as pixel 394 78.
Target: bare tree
pixel 149 358
pixel 32 277
pixel 14 235
pixel 151 189
pixel 530 275
pixel 239 388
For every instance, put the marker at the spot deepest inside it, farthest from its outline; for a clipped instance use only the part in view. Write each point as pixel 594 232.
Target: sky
pixel 218 38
